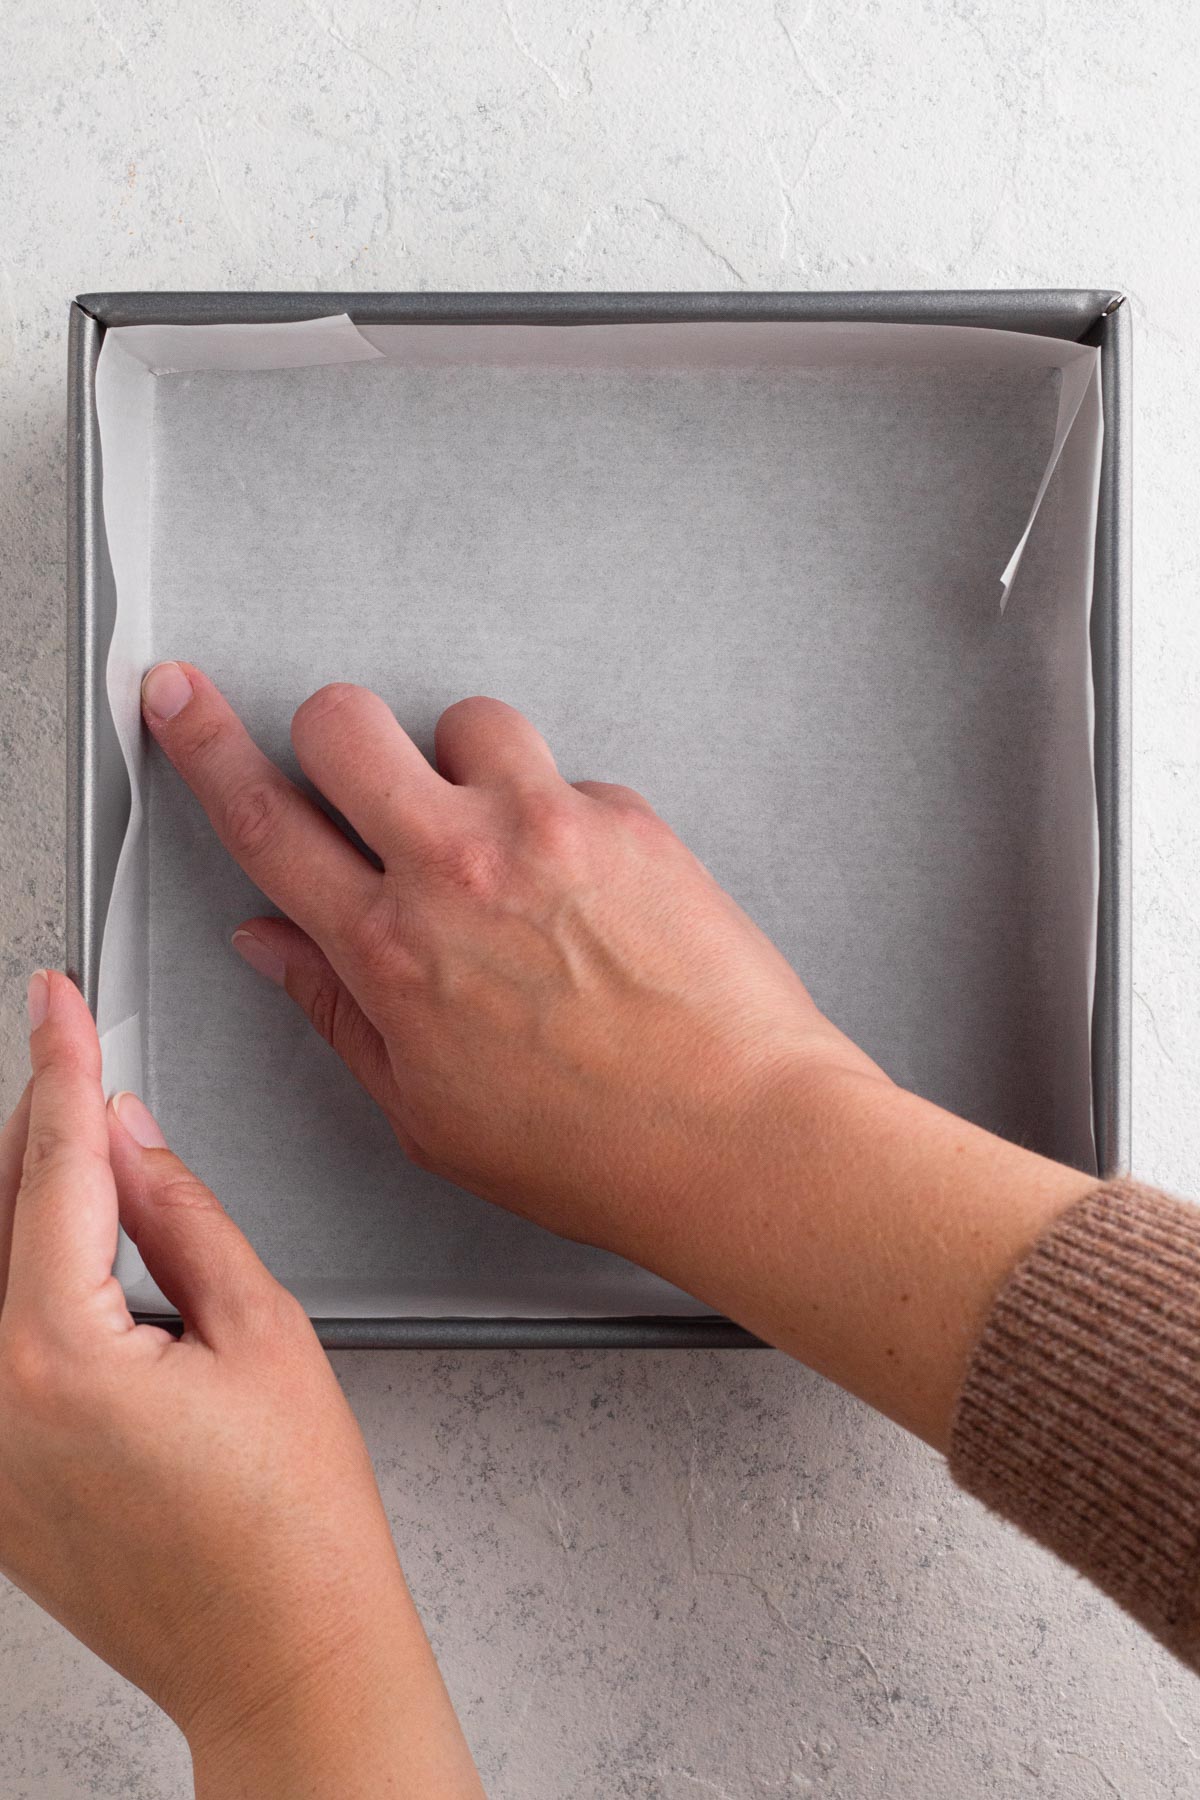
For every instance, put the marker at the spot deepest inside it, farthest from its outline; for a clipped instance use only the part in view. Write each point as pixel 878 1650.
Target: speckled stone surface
pixel 652 1577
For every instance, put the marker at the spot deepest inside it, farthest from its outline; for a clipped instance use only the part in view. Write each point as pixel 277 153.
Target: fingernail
pixel 260 956
pixel 166 690
pixel 37 998
pixel 138 1121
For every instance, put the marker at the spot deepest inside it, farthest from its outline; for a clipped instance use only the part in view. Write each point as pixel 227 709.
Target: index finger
pixel 64 1231
pixel 286 845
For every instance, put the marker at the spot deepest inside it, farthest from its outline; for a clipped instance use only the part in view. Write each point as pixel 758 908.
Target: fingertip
pixel 54 1001
pixel 37 998
pixel 166 690
pixel 259 955
pixel 136 1119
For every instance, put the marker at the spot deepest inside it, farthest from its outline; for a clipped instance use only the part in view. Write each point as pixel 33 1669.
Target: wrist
pixel 264 1704
pixel 359 1713
pixel 693 1215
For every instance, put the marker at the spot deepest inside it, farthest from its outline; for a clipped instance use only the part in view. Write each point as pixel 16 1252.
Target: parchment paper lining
pixel 758 570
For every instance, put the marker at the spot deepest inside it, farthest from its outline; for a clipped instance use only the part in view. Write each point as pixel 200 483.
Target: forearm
pixel 1040 1327
pixel 862 1230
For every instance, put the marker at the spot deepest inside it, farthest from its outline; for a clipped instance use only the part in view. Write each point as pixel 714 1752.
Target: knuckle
pixel 28 1366
pixel 251 818
pixel 458 710
pixel 618 797
pixel 326 1009
pixel 185 1192
pixel 629 800
pixel 66 1165
pixel 57 1163
pixel 645 824
pixel 331 698
pixel 550 824
pixel 376 932
pixel 42 1146
pixel 471 863
pixel 64 1058
pixel 205 734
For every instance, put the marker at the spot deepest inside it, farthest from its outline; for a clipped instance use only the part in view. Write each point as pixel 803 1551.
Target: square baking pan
pixel 98 787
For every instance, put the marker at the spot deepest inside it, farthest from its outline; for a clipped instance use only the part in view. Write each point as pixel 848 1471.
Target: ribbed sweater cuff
pixel 1080 1415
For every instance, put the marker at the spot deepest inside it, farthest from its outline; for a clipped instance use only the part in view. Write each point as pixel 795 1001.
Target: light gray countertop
pixel 649 1576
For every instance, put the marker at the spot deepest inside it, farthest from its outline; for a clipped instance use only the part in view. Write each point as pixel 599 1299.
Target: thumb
pixel 288 956
pixel 204 1265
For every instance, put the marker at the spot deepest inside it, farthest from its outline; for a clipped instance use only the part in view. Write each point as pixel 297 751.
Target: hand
pixel 201 1512
pixel 558 1008
pixel 552 1000
pixel 547 994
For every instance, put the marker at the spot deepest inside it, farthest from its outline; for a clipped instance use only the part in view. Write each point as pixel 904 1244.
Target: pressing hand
pixel 559 1008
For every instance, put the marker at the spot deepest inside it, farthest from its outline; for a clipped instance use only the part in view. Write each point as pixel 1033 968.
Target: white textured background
pixel 676 1576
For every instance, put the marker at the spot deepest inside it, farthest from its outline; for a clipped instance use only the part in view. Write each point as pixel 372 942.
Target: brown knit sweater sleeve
pixel 1079 1418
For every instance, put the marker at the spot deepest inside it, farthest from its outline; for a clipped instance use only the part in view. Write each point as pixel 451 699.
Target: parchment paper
pixel 757 571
